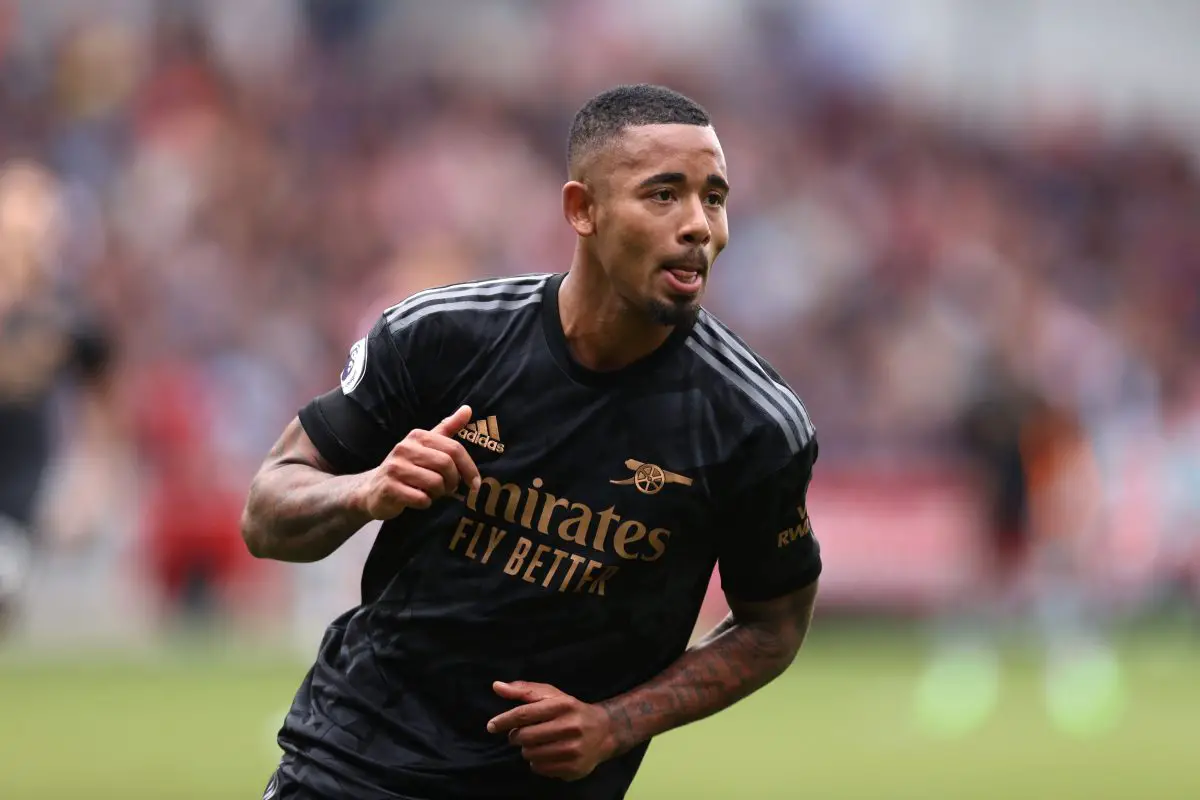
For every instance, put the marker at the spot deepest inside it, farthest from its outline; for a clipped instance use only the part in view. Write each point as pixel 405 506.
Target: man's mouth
pixel 686 275
pixel 691 267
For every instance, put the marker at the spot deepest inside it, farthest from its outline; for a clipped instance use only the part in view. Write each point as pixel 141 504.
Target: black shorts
pixel 286 784
pixel 300 781
pixel 284 788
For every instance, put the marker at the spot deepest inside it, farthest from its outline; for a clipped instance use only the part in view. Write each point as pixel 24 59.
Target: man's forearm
pixel 731 662
pixel 298 513
pixel 703 681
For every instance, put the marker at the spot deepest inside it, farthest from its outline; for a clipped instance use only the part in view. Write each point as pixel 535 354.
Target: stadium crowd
pixel 234 191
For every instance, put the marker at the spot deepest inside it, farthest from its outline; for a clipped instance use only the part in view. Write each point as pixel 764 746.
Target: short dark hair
pixel 606 115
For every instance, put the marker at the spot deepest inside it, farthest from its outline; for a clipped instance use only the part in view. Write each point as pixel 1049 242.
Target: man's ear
pixel 579 207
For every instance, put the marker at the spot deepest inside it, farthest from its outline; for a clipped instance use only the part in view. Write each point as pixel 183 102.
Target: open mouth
pixel 684 275
pixel 684 278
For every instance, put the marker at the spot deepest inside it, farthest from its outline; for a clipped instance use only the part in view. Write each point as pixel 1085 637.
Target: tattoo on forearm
pixel 622 723
pixel 728 664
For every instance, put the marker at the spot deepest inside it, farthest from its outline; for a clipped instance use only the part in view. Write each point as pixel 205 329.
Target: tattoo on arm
pixel 297 510
pixel 747 650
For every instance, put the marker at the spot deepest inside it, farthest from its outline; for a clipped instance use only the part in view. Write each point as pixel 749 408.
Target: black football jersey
pixel 582 561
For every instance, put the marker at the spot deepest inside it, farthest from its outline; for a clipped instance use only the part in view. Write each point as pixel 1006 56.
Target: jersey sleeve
pixel 767 547
pixel 355 425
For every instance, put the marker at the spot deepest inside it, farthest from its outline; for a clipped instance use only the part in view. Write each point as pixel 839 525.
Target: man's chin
pixel 674 311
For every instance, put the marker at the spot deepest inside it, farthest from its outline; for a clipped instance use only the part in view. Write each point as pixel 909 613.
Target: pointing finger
pixel 525 692
pixel 455 422
pixel 521 716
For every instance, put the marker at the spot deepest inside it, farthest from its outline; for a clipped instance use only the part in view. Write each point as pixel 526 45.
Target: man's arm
pixel 751 647
pixel 761 560
pixel 298 510
pixel 563 737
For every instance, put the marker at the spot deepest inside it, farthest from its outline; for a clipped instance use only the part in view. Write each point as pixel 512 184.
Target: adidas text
pixel 481 439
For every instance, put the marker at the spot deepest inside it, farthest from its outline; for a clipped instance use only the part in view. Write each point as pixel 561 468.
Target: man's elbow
pixel 788 628
pixel 256 528
pixel 254 534
pixel 779 657
pixel 786 649
pixel 791 652
pixel 265 540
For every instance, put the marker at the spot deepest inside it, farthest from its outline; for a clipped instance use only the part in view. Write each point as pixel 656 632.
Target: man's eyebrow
pixel 663 177
pixel 718 182
pixel 676 178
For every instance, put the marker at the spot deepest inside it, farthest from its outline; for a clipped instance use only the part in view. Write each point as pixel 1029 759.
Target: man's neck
pixel 602 332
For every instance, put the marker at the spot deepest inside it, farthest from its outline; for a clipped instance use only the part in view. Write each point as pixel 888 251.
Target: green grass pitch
pixel 198 723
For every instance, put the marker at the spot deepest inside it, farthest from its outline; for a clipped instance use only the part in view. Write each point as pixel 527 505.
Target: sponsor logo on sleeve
pixel 790 535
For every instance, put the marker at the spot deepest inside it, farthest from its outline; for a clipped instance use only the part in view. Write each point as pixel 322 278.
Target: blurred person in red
pixel 46 344
pixel 193 550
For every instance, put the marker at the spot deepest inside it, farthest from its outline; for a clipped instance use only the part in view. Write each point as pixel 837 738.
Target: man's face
pixel 660 217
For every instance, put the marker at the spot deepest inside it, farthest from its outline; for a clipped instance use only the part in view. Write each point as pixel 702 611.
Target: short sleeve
pixel 767 547
pixel 355 425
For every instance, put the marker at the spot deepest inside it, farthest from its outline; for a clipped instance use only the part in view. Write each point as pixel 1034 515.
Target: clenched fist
pixel 424 466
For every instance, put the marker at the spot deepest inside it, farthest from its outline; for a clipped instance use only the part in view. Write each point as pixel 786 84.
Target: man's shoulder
pixel 748 386
pixel 465 308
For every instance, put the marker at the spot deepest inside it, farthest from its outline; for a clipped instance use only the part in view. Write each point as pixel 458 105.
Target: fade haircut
pixel 603 118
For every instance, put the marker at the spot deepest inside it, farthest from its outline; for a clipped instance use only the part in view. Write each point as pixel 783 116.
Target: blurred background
pixel 967 232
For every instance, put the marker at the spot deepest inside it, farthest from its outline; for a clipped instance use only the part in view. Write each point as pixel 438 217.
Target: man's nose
pixel 695 229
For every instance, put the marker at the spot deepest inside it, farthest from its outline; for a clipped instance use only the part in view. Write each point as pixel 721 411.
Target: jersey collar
pixel 557 342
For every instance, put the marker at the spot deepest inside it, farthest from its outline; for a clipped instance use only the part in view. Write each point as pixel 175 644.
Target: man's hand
pixel 560 736
pixel 424 466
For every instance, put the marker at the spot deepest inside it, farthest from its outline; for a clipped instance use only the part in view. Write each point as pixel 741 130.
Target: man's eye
pixel 664 195
pixel 716 199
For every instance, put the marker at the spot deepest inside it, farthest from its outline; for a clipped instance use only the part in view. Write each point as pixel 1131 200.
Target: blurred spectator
pixel 44 339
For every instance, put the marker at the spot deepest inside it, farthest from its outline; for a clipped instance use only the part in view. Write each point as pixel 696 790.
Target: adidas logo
pixel 485 433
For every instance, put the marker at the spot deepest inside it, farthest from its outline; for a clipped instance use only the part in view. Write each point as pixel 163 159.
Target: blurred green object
pixel 1085 692
pixel 199 723
pixel 959 691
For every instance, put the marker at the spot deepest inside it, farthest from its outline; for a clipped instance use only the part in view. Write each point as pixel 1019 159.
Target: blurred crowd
pixel 231 191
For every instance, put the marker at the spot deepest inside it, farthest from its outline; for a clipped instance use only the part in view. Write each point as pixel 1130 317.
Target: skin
pixel 652 198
